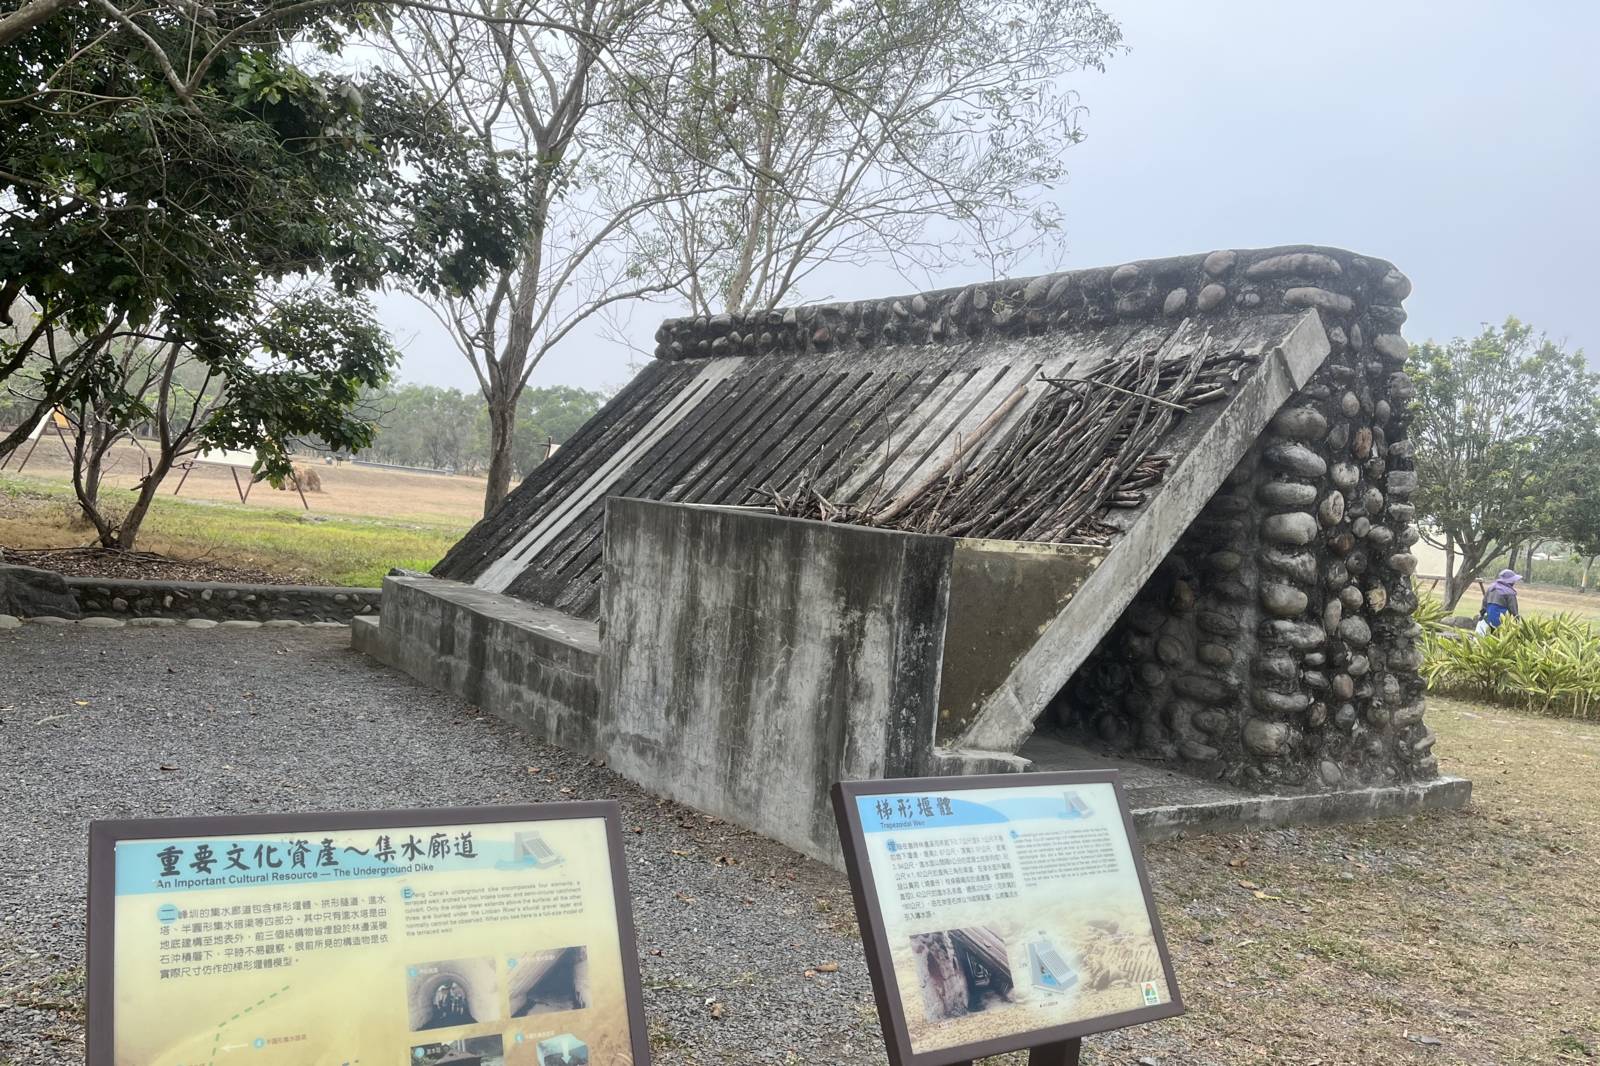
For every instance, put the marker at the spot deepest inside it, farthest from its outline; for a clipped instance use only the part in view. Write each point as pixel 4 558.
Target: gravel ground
pixel 128 723
pixel 1457 937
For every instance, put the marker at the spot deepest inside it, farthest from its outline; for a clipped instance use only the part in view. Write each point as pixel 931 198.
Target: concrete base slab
pixel 1167 802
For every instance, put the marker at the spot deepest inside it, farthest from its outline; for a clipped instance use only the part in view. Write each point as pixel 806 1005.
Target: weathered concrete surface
pixel 1166 801
pixel 1207 451
pixel 1270 646
pixel 750 661
pixel 531 666
pixel 1257 811
pixel 1003 594
pixel 27 592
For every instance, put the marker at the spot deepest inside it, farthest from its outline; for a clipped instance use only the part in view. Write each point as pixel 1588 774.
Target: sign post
pixel 495 936
pixel 1002 913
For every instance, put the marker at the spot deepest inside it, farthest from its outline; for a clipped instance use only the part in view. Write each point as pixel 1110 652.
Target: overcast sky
pixel 1459 140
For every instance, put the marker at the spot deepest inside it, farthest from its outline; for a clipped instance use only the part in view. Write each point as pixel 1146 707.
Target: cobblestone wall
pixel 221 602
pixel 1274 647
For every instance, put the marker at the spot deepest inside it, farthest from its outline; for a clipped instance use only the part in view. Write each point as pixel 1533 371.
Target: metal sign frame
pixel 105 835
pixel 1057 1044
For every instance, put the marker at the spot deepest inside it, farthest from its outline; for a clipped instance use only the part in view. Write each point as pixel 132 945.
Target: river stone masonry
pixel 635 598
pixel 1274 648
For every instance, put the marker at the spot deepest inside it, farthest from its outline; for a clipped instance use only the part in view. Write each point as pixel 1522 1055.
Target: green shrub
pixel 1430 614
pixel 1550 665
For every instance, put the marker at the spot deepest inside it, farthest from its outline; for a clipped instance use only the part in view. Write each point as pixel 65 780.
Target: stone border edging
pixel 11 621
pixel 221 601
pixel 32 593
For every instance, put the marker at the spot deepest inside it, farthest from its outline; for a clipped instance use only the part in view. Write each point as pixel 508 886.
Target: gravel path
pixel 126 723
pixel 738 935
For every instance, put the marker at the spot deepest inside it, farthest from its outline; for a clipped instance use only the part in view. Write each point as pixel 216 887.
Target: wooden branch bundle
pixel 1084 449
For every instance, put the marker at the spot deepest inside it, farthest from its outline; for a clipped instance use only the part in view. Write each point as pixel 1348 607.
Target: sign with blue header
pixel 500 936
pixel 1002 912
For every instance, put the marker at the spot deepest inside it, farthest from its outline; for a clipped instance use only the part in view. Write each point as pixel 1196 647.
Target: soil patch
pixel 136 565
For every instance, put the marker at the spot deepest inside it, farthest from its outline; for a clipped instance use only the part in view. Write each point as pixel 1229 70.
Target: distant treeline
pixel 447 429
pixel 426 426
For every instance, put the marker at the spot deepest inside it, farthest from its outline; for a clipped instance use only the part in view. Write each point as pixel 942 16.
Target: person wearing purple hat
pixel 1500 599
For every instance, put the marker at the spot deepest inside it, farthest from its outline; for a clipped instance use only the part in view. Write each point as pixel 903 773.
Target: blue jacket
pixel 1497 604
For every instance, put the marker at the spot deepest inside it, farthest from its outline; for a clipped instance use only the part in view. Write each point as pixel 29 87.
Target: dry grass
pixel 361 522
pixel 1454 937
pixel 1531 599
pixel 359 492
pixel 312 549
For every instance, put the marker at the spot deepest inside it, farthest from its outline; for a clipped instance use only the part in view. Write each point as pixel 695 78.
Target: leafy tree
pixel 166 173
pixel 301 371
pixel 423 425
pixel 551 414
pixel 1575 516
pixel 1496 424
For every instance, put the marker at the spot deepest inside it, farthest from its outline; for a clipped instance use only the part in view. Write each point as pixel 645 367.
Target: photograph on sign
pixel 1004 910
pixel 468 937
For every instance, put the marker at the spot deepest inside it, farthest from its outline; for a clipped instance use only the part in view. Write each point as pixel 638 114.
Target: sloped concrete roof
pixel 867 398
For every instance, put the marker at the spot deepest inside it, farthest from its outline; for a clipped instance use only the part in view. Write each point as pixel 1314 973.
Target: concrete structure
pixel 1236 621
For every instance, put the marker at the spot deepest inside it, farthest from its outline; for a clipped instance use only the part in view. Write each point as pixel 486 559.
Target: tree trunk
pixel 135 517
pixel 89 446
pixel 502 429
pixel 16 23
pixel 1588 563
pixel 19 436
pixel 1458 579
pixel 1527 564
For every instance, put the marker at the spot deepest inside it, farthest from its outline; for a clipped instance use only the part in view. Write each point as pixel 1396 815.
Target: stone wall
pixel 1274 646
pixel 217 601
pixel 28 592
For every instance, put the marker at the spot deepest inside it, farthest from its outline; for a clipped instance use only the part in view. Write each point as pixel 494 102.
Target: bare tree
pixel 545 96
pixel 919 133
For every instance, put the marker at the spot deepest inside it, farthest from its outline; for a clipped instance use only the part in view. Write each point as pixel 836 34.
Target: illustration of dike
pixel 1154 516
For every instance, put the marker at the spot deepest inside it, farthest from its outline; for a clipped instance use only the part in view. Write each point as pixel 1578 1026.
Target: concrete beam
pixel 1292 349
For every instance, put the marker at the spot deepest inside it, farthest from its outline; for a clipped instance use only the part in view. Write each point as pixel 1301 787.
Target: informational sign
pixel 496 936
pixel 1002 912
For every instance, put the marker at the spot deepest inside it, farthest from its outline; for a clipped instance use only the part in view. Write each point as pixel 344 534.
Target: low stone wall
pixel 28 592
pixel 221 602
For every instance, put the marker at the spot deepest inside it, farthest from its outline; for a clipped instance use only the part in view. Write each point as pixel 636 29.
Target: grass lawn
pixel 1462 937
pixel 1531 599
pixel 313 548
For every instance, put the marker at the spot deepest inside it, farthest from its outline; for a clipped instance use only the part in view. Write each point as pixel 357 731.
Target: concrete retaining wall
pixel 534 667
pixel 746 662
pixel 751 661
